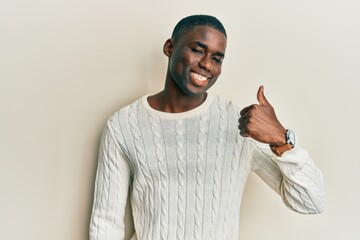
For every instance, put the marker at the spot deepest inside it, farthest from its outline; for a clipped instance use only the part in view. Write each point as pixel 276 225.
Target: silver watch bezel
pixel 290 137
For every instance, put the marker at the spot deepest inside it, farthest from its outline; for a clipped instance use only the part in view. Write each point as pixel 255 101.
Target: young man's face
pixel 195 59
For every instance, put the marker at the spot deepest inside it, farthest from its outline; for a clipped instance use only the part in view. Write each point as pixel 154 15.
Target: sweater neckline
pixel 191 113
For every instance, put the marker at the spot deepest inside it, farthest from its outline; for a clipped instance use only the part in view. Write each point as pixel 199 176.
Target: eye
pixel 197 51
pixel 217 59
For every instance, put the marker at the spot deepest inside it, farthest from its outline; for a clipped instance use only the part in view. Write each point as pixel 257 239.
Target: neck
pixel 175 103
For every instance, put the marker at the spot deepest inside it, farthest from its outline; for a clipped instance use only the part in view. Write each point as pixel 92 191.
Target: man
pixel 186 154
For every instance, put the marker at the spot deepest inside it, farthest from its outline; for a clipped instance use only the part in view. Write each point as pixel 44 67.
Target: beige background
pixel 66 65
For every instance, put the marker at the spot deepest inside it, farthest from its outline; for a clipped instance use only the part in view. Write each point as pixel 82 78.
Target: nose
pixel 205 63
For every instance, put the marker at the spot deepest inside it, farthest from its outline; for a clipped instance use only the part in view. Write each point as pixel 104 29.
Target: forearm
pixel 302 184
pixel 294 176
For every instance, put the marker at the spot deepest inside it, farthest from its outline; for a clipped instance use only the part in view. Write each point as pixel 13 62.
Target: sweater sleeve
pixel 294 176
pixel 111 189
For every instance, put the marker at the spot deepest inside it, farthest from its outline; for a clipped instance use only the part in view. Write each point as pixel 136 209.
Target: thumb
pixel 261 97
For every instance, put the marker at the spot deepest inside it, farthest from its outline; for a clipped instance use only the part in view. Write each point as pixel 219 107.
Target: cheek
pixel 217 70
pixel 178 68
pixel 180 64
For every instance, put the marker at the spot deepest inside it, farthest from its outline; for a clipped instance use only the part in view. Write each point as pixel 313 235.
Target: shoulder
pixel 120 123
pixel 123 115
pixel 225 104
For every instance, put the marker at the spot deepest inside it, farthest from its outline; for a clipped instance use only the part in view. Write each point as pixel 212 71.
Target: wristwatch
pixel 290 143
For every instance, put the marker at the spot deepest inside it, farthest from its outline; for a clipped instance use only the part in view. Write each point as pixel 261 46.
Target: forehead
pixel 207 35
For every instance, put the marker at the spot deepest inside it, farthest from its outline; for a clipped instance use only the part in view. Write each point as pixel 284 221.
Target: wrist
pixel 280 139
pixel 288 145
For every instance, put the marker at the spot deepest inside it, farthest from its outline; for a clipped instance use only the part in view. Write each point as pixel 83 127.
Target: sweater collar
pixel 191 113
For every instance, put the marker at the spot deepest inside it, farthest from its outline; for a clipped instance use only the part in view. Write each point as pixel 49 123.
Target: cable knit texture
pixel 187 171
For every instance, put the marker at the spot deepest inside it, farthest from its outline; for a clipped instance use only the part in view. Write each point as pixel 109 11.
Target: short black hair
pixel 189 22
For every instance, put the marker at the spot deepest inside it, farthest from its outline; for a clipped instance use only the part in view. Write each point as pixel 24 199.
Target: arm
pixel 293 175
pixel 111 188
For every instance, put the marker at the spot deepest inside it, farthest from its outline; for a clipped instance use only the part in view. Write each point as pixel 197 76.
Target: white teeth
pixel 198 77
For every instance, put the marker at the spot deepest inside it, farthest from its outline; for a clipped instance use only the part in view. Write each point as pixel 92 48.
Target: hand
pixel 259 122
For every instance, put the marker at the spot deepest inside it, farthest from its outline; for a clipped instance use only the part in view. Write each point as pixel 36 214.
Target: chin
pixel 196 93
pixel 193 90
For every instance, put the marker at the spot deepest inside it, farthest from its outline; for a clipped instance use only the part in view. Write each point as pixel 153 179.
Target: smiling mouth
pixel 198 77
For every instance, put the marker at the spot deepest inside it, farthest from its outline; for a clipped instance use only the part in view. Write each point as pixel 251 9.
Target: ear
pixel 168 47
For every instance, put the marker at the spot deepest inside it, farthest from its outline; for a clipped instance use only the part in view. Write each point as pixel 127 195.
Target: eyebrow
pixel 202 45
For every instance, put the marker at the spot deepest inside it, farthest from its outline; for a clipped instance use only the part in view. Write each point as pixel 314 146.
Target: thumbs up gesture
pixel 259 122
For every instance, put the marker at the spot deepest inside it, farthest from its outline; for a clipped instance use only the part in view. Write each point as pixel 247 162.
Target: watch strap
pixel 279 150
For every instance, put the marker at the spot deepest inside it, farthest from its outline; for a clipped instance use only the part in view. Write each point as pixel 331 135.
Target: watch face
pixel 290 137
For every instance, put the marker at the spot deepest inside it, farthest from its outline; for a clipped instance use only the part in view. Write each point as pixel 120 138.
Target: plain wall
pixel 66 66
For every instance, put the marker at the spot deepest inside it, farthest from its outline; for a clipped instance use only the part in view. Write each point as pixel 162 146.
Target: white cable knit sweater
pixel 187 172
